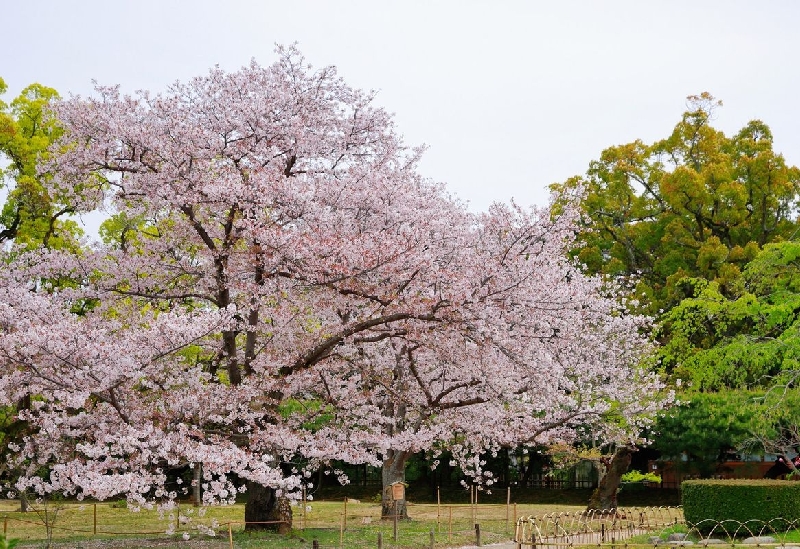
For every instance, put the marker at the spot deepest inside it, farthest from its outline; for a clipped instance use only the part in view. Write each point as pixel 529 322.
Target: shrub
pixel 638 476
pixel 706 503
pixel 6 543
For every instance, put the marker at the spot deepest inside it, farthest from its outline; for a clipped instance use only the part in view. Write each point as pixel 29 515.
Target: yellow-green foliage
pixel 638 476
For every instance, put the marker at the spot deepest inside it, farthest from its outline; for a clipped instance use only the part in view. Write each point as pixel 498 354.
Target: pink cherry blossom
pixel 281 284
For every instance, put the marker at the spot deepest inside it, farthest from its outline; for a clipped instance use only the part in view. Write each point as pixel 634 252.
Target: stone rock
pixel 655 540
pixel 712 541
pixel 676 536
pixel 759 539
pixel 682 543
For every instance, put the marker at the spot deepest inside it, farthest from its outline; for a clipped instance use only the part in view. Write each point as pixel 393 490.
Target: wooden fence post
pixel 508 505
pixel 230 535
pixel 450 525
pixel 395 520
pixel 477 534
pixel 94 526
pixel 515 512
pixel 380 540
pixel 438 508
pixel 303 516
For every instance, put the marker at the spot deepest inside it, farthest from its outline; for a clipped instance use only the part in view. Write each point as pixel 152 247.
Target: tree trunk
pixel 527 471
pixel 605 496
pixel 197 479
pixel 265 511
pixel 393 471
pixel 24 507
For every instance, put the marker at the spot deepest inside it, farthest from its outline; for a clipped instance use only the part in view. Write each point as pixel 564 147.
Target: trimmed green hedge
pixel 715 501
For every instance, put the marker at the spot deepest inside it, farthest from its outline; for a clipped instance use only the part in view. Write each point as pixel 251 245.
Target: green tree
pixel 745 340
pixel 776 427
pixel 706 426
pixel 30 216
pixel 691 220
pixel 738 355
pixel 697 204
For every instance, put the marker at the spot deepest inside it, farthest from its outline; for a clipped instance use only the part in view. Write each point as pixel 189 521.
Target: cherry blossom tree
pixel 537 355
pixel 278 287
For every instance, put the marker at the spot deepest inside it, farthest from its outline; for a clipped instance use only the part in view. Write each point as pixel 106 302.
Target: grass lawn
pixel 452 525
pixel 331 523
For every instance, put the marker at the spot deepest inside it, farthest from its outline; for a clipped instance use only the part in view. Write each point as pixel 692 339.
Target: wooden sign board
pixel 398 491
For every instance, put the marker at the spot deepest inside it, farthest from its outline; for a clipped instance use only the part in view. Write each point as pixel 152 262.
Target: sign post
pixel 398 494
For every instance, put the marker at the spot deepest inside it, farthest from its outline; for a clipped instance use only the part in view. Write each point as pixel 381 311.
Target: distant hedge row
pixel 776 502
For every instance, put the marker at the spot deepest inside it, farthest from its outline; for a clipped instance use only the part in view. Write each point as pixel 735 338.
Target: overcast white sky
pixel 510 96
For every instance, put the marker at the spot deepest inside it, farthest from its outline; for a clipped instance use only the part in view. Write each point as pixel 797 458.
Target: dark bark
pixel 24 506
pixel 265 511
pixel 197 479
pixel 11 231
pixel 605 495
pixel 780 468
pixel 528 472
pixel 393 471
pixel 229 345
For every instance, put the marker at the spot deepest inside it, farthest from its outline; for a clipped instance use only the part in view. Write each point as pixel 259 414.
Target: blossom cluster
pixel 278 284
